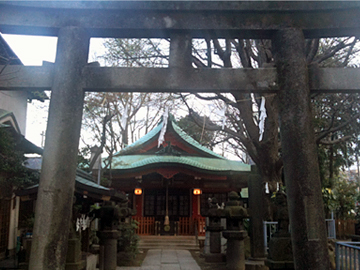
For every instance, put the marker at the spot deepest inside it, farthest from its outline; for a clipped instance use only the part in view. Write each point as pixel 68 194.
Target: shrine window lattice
pixel 155 205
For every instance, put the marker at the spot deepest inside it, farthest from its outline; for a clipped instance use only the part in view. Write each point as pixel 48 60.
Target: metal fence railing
pixel 347 255
pixel 270 229
pixel 331 228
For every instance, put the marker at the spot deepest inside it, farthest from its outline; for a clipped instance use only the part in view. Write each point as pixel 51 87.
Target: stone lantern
pixel 110 217
pixel 280 249
pixel 214 213
pixel 235 233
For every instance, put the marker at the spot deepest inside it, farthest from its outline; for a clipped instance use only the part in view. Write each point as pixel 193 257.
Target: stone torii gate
pixel 287 24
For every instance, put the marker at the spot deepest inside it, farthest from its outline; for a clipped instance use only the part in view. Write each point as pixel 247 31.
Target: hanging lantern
pixel 197 191
pixel 138 191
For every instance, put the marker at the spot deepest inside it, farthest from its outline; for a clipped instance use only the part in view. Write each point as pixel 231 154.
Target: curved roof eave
pixel 136 145
pixel 193 142
pixel 207 164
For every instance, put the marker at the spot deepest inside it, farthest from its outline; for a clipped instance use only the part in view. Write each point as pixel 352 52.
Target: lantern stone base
pixel 215 257
pixel 235 252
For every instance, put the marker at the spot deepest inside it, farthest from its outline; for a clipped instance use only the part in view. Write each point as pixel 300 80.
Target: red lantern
pixel 138 191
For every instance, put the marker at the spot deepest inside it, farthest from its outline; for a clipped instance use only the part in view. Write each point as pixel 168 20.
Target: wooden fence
pixel 146 225
pixel 344 227
pixel 186 226
pixel 189 226
pixel 201 224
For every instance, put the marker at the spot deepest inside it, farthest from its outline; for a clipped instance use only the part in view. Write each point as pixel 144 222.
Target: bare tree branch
pixel 332 142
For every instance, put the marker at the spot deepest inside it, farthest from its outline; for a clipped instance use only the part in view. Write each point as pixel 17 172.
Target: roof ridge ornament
pixel 168 150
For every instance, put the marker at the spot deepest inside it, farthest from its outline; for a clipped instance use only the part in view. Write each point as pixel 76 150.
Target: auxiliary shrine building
pixel 170 183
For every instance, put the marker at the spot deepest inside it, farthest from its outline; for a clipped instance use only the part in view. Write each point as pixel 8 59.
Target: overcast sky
pixel 32 51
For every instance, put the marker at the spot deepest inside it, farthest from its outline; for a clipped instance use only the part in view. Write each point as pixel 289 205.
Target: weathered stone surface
pixel 215 241
pixel 280 265
pixel 301 169
pixel 74 251
pixel 235 250
pixel 57 181
pixel 256 190
pixel 110 251
pixel 118 79
pixel 218 20
pixel 180 51
pixel 235 233
pixel 255 265
pixel 280 249
pixel 215 257
pixel 238 235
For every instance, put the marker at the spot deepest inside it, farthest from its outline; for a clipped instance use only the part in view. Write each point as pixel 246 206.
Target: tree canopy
pixel 336 116
pixel 14 174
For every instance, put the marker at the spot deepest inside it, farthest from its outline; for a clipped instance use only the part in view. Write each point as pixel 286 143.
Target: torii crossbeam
pixel 286 23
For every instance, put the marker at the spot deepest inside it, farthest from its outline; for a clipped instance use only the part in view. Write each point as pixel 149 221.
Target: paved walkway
pixel 165 259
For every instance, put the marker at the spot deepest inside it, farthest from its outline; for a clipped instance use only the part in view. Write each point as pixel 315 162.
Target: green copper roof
pixel 155 133
pixel 4 113
pixel 193 142
pixel 81 180
pixel 134 146
pixel 209 164
pixel 82 183
pixel 88 183
pixel 128 158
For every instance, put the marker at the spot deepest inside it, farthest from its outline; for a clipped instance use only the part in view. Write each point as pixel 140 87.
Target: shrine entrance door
pixel 176 204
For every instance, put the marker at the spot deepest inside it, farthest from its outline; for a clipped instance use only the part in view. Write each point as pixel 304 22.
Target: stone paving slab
pixel 153 257
pixel 169 256
pixel 170 267
pixel 161 259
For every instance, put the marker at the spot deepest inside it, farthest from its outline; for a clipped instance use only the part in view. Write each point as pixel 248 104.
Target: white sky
pixel 32 51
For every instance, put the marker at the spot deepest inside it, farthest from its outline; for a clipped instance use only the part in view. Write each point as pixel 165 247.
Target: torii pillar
pixel 57 180
pixel 301 168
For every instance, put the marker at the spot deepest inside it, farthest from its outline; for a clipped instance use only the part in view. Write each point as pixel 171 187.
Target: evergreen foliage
pixel 13 173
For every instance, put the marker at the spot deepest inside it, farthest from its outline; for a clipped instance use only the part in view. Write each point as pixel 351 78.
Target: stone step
pixel 164 242
pixel 169 248
pixel 168 242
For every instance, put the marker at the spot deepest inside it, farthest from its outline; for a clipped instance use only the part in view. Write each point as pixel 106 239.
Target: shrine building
pixel 169 183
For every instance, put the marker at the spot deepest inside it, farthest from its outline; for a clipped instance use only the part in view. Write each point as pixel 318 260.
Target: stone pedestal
pixel 215 238
pixel 280 253
pixel 235 252
pixel 215 244
pixel 73 256
pixel 280 248
pixel 212 249
pixel 108 239
pixel 256 186
pixel 27 247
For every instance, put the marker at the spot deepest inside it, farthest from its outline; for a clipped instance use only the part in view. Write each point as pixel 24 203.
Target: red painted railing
pixel 186 226
pixel 190 225
pixel 146 225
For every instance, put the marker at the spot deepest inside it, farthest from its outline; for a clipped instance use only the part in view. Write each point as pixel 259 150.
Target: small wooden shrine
pixel 169 182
